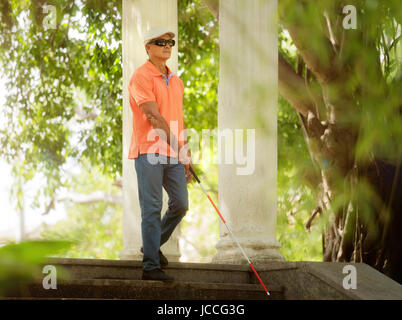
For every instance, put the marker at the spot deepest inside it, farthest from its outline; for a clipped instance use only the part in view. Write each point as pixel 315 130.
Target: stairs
pixel 120 279
pixel 285 280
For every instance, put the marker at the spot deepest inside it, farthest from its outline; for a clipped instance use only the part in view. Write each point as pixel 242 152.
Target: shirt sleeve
pixel 141 89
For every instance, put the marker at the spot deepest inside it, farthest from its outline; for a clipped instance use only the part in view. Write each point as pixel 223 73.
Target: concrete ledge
pixel 302 279
pixel 371 284
pixel 138 263
pixel 155 290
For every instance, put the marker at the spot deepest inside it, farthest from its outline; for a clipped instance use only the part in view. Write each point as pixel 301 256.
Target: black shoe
pixel 157 275
pixel 162 259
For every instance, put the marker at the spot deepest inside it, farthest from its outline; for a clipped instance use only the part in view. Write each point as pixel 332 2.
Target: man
pixel 161 159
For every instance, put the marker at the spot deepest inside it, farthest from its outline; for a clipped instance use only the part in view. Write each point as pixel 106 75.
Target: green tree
pixel 94 217
pixel 64 100
pixel 295 199
pixel 64 104
pixel 198 64
pixel 60 79
pixel 199 70
pixel 344 85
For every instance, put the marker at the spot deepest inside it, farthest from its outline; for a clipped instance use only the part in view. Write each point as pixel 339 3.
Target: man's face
pixel 160 52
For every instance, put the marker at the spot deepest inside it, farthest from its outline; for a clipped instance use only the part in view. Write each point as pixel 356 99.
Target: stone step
pixel 146 290
pixel 294 280
pixel 183 272
pixel 121 279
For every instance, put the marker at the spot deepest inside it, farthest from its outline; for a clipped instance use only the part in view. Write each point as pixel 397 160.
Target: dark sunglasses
pixel 162 42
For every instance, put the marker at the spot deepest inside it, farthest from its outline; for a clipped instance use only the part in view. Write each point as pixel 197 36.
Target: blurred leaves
pixel 295 199
pixel 21 262
pixel 198 64
pixel 354 139
pixel 64 100
pixel 46 70
pixel 95 228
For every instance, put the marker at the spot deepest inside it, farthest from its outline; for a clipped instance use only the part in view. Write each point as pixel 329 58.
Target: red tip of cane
pixel 262 283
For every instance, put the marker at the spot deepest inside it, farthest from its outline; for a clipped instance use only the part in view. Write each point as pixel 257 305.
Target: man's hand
pixel 185 159
pixel 189 175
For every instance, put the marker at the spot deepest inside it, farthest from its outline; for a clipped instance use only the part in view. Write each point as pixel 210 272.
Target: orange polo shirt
pixel 147 84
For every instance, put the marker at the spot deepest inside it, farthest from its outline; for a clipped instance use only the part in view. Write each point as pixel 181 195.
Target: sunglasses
pixel 163 42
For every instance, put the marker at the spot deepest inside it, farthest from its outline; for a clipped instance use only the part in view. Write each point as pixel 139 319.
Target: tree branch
pixel 97 196
pixel 314 47
pixel 312 216
pixel 292 87
pixel 213 6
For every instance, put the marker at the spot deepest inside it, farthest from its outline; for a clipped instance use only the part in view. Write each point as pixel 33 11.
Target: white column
pixel 248 100
pixel 138 16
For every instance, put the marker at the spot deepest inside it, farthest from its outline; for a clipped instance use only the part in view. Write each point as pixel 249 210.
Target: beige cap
pixel 156 32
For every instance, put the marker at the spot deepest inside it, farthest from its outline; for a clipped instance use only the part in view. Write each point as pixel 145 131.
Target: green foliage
pixel 294 208
pixel 295 200
pixel 351 82
pixel 21 262
pixel 364 64
pixel 201 79
pixel 198 64
pixel 96 228
pixel 45 70
pixel 200 226
pixel 199 71
pixel 65 102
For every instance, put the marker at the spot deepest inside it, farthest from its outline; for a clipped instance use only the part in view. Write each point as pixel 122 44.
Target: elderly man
pixel 159 149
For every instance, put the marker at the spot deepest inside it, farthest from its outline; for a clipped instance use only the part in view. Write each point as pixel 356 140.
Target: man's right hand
pixel 189 175
pixel 185 159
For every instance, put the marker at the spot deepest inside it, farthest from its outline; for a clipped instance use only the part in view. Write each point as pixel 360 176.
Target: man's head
pixel 158 43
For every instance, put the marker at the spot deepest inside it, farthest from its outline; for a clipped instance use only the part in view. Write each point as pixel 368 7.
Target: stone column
pixel 248 100
pixel 138 16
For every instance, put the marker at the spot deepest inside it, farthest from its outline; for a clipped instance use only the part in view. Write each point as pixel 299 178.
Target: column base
pixel 258 251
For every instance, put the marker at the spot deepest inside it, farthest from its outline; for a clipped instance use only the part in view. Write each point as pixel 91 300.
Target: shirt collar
pixel 154 70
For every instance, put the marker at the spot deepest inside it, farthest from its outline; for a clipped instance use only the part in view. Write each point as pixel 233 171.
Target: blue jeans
pixel 151 177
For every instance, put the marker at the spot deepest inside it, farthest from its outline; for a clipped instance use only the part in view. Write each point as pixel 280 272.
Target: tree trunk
pixel 372 236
